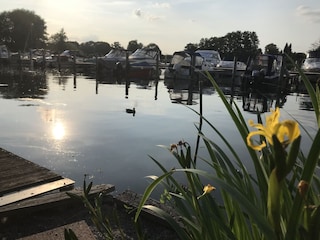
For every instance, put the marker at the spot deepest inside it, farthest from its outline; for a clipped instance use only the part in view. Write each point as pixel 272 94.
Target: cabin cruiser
pixel 4 52
pixel 211 59
pixel 311 64
pixel 240 66
pixel 143 63
pixel 264 73
pixel 182 64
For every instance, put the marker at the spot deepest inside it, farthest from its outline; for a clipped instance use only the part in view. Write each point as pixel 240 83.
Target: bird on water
pixel 131 111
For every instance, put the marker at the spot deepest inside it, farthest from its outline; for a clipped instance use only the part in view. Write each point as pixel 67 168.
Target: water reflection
pixel 305 102
pixel 58 131
pixel 23 84
pixel 255 102
pixel 86 131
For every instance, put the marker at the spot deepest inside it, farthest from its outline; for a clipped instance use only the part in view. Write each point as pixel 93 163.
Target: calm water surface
pixel 74 127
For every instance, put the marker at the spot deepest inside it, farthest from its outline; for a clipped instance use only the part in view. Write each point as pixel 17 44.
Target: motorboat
pixel 143 63
pixel 115 55
pixel 4 52
pixel 113 64
pixel 311 64
pixel 211 59
pixel 240 66
pixel 265 74
pixel 182 64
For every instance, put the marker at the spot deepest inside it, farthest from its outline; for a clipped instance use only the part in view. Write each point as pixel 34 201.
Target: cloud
pixel 138 13
pixel 149 17
pixel 162 5
pixel 312 15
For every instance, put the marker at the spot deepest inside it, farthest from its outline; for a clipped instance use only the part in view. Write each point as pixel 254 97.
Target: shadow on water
pixel 23 84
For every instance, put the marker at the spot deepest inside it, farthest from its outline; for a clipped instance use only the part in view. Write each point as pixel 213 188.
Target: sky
pixel 173 24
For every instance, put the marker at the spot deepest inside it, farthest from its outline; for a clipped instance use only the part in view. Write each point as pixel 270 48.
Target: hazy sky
pixel 174 24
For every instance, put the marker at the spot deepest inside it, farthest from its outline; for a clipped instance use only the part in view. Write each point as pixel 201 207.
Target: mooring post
pixel 59 63
pixel 74 64
pixel 157 65
pixel 44 64
pixel 234 71
pixel 31 60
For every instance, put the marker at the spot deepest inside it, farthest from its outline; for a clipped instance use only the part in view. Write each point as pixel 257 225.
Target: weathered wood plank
pixel 34 191
pixel 50 200
pixel 17 173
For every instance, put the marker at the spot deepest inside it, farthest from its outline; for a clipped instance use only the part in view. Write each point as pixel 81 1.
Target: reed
pixel 279 201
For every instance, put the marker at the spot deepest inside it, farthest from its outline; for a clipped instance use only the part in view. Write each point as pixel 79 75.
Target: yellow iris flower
pixel 286 131
pixel 207 189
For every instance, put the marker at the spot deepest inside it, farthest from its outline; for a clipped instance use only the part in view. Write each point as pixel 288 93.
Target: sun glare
pixel 58 131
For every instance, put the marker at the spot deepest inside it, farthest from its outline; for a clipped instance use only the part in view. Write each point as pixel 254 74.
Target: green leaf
pixel 274 207
pixel 148 192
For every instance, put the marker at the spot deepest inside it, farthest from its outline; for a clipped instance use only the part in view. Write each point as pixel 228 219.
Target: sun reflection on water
pixel 58 131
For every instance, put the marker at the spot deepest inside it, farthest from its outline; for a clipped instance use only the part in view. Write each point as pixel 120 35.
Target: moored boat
pixel 265 73
pixel 143 63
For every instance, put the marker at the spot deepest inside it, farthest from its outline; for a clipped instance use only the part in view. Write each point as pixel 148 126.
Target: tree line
pixel 22 30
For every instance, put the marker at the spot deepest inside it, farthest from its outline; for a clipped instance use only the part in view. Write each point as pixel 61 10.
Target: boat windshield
pixel 209 55
pixel 116 53
pixel 312 60
pixel 144 53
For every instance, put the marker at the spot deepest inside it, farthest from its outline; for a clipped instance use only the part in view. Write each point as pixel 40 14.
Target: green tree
pixel 134 45
pixel 315 46
pixel 57 42
pixel 6 28
pixel 235 44
pixel 22 30
pixel 272 48
pixel 116 45
pixel 95 48
pixel 191 47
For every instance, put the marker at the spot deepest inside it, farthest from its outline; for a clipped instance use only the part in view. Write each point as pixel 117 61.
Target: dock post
pixel 74 64
pixel 44 64
pixel 157 65
pixel 234 71
pixel 59 63
pixel 31 60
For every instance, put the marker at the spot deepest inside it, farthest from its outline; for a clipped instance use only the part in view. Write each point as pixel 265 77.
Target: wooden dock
pixel 21 179
pixel 26 185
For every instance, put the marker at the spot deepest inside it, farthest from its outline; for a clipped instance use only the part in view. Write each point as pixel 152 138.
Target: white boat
pixel 143 63
pixel 311 64
pixel 241 66
pixel 210 59
pixel 181 65
pixel 4 52
pixel 115 55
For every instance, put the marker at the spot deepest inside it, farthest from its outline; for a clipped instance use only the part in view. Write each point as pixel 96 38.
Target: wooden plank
pixel 34 191
pixel 50 200
pixel 17 173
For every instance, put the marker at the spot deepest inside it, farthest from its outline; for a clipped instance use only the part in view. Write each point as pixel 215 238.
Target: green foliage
pixel 22 30
pixel 133 45
pixel 234 44
pixel 279 201
pixel 98 217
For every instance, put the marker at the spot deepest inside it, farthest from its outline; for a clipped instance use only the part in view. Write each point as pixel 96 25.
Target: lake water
pixel 74 126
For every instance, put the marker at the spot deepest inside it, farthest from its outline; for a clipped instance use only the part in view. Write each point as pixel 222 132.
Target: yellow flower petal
pixel 250 144
pixel 286 131
pixel 208 189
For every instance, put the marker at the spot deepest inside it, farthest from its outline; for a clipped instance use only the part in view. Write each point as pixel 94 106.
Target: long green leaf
pixel 148 192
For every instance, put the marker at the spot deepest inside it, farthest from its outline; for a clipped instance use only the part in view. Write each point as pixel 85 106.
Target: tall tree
pixel 57 42
pixel 235 44
pixel 272 48
pixel 95 48
pixel 116 45
pixel 6 28
pixel 134 45
pixel 22 30
pixel 191 47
